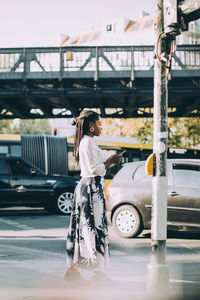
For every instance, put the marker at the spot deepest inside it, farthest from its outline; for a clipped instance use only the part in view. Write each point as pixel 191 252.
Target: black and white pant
pixel 87 241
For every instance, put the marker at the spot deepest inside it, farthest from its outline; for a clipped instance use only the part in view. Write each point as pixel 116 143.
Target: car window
pixel 185 175
pixel 3 168
pixel 17 167
pixel 140 174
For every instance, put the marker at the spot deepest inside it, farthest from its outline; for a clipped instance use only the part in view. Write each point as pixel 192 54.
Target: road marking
pixel 117 252
pixel 16 224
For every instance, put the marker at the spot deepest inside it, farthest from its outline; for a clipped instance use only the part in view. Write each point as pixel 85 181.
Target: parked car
pixel 130 197
pixel 22 184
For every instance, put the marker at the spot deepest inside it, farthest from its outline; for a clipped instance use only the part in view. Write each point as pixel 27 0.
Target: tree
pixel 122 127
pixel 175 132
pixel 36 126
pixel 5 126
pixel 145 132
pixel 191 134
pixel 182 132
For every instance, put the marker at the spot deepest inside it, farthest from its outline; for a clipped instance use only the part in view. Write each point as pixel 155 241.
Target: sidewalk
pixel 43 279
pixel 27 273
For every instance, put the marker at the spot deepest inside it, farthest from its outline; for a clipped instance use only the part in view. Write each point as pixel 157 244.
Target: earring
pixel 92 129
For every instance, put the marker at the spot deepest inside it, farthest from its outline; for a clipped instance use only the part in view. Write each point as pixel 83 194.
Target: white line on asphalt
pixel 117 252
pixel 16 224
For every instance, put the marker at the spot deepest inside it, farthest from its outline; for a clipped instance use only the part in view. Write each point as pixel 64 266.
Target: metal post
pixel 158 271
pixel 96 74
pixel 25 64
pixel 132 65
pixel 61 64
pixel 46 155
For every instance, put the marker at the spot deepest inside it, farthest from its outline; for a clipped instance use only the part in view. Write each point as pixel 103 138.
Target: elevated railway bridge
pixel 58 82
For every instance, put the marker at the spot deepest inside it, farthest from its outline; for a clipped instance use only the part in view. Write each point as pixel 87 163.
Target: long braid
pixel 77 138
pixel 82 126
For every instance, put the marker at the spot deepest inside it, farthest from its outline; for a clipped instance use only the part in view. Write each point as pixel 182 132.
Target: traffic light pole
pixel 158 271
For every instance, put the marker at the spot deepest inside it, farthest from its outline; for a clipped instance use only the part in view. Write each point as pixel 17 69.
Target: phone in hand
pixel 123 152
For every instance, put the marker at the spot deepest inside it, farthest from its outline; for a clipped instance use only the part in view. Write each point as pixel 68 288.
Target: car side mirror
pixel 33 172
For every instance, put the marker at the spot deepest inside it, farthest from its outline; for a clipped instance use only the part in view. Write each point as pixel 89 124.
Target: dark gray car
pixel 130 197
pixel 22 184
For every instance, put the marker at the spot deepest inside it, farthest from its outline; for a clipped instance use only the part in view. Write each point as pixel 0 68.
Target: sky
pixel 40 23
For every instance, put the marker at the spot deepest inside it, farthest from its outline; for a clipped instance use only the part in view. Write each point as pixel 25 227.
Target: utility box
pixel 170 15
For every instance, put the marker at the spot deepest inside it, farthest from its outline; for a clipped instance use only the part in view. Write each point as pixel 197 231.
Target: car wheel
pixel 63 202
pixel 127 221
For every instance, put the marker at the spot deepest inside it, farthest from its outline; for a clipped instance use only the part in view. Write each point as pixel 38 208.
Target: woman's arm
pixel 88 153
pixel 113 159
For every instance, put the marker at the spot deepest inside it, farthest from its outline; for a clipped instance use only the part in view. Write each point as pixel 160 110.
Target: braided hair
pixel 82 127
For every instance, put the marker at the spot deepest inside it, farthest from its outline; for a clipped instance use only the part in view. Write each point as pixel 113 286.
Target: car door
pixel 4 182
pixel 142 187
pixel 184 194
pixel 28 184
pixel 142 182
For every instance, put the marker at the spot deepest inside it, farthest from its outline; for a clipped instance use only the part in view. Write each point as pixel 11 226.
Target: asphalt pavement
pixel 32 262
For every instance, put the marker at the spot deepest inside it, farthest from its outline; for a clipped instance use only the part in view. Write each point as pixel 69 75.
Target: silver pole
pixel 158 271
pixel 46 155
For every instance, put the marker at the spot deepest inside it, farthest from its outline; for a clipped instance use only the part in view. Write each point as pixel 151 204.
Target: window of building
pixel 95 36
pixel 148 24
pixel 109 27
pixel 4 149
pixel 73 40
pixel 15 150
pixel 135 26
pixel 83 38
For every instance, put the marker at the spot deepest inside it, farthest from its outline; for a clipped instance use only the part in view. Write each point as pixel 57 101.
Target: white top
pixel 91 158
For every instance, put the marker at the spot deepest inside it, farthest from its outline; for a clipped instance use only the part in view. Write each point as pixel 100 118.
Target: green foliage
pixel 36 126
pixel 122 127
pixel 192 136
pixel 175 132
pixel 5 126
pixel 182 132
pixel 145 132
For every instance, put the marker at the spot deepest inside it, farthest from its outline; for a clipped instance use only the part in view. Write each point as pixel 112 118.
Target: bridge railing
pixel 66 62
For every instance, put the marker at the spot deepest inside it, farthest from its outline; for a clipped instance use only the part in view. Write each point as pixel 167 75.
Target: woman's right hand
pixel 113 159
pixel 116 159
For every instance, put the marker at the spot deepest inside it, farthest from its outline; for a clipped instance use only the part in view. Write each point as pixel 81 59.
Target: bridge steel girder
pixel 116 80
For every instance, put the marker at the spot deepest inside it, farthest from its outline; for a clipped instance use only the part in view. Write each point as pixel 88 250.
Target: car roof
pixel 176 160
pixel 129 168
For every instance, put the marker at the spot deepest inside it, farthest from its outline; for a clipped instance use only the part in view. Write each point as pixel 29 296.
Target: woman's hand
pixel 113 159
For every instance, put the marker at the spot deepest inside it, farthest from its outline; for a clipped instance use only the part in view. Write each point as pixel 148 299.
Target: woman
pixel 87 240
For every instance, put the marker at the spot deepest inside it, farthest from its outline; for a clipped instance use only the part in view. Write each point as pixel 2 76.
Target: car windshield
pixel 140 174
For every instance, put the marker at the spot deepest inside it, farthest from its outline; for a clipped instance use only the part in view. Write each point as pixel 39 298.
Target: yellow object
pixel 10 137
pixel 70 55
pixel 149 165
pixel 106 184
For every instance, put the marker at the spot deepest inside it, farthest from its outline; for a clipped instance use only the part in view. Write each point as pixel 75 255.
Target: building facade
pixel 124 32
